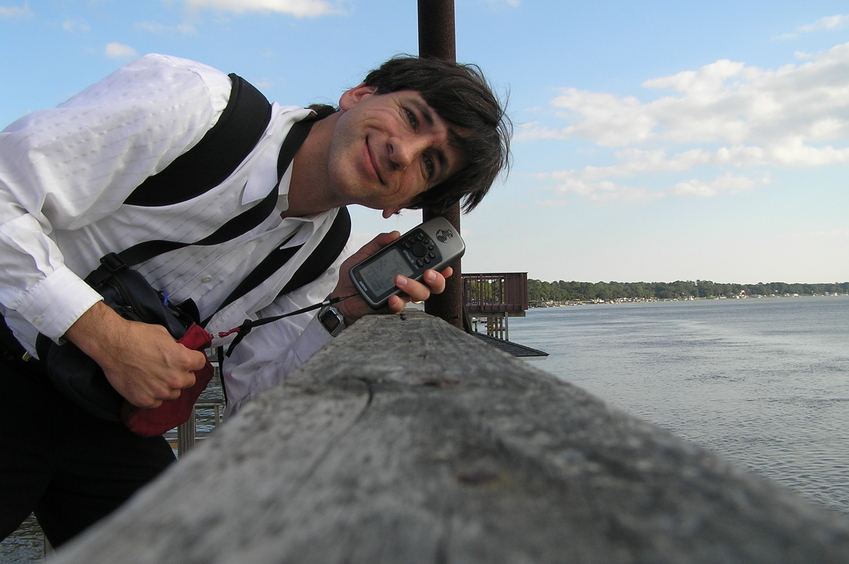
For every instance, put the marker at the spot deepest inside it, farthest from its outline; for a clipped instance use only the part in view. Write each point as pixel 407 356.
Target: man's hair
pixel 461 96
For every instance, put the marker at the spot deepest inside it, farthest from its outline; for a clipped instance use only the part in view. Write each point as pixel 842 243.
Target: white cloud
pixel 599 191
pixel 791 152
pixel 120 51
pixel 297 8
pixel 728 182
pixel 158 28
pixel 640 161
pixel 725 114
pixel 76 25
pixel 722 102
pixel 829 23
pixel 10 12
pixel 152 27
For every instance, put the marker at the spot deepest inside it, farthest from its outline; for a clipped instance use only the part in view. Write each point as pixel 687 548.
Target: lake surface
pixel 763 382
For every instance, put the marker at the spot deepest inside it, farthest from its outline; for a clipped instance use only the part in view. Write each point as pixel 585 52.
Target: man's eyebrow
pixel 427 114
pixel 424 109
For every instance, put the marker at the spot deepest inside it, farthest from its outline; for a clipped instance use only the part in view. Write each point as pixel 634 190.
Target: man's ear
pixel 389 212
pixel 353 96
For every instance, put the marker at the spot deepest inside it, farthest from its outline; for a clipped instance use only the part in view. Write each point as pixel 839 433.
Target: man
pixel 415 133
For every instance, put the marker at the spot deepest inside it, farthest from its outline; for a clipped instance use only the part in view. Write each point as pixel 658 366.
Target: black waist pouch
pixel 126 291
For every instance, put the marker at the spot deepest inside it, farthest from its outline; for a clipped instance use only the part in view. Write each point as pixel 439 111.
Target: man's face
pixel 389 148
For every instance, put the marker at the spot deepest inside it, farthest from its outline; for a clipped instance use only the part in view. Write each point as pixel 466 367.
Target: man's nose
pixel 404 149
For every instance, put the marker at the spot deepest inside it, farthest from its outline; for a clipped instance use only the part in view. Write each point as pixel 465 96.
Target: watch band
pixel 332 320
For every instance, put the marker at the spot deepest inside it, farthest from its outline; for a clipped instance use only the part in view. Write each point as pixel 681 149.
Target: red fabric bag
pixel 155 422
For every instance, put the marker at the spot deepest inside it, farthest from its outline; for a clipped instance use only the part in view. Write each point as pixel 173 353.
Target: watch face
pixel 332 320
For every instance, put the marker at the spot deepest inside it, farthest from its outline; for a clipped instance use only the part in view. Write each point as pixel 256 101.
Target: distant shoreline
pixel 690 299
pixel 617 292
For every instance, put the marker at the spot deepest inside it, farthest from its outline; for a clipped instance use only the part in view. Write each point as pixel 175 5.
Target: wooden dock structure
pixel 407 440
pixel 496 297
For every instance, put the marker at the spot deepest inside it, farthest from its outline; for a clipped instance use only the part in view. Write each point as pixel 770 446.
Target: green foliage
pixel 561 291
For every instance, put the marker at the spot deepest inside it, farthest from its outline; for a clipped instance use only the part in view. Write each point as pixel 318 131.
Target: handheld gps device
pixel 434 244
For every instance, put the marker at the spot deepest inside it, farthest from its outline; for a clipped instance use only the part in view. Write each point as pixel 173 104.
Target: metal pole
pixel 436 29
pixel 436 39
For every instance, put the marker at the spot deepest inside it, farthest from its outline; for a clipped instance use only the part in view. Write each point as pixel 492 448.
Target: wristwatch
pixel 332 320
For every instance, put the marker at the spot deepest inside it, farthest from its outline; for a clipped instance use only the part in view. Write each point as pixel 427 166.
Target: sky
pixel 653 141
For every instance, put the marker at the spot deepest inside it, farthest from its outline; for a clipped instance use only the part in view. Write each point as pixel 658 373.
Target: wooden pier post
pixel 407 440
pixel 186 435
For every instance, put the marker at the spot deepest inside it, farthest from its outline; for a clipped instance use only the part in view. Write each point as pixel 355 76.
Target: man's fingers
pixel 435 282
pixel 384 239
pixel 197 361
pixel 432 283
pixel 189 381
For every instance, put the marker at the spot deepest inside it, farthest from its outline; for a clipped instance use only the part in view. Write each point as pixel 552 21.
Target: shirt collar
pixel 263 174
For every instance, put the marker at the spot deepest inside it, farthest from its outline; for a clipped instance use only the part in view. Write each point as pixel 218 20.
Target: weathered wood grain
pixel 409 441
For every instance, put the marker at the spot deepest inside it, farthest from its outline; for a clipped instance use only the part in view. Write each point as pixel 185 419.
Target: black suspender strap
pixel 324 254
pixel 216 155
pixel 238 225
pixel 205 166
pixel 317 263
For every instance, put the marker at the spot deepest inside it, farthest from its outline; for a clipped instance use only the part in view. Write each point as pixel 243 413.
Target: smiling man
pixel 416 133
pixel 388 149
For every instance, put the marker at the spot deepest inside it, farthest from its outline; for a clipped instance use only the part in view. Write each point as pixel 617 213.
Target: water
pixel 24 546
pixel 763 382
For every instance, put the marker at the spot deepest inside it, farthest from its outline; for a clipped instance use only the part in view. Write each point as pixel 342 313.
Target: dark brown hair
pixel 460 95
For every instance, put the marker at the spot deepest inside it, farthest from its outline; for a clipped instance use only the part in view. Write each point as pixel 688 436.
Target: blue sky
pixel 654 141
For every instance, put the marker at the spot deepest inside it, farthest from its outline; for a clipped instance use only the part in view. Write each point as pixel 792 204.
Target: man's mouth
pixel 371 163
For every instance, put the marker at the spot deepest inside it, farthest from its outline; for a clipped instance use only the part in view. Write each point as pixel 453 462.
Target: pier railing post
pixel 186 435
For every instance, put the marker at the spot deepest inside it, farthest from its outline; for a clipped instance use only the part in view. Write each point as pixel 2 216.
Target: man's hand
pixel 142 362
pixel 354 308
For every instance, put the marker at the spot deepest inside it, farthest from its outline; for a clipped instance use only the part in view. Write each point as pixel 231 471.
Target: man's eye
pixel 430 166
pixel 411 117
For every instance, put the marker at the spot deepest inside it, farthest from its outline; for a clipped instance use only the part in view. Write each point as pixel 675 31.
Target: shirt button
pixel 37 321
pixel 206 279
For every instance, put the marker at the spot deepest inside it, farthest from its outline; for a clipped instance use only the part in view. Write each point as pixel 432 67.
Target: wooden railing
pixel 409 441
pixel 186 435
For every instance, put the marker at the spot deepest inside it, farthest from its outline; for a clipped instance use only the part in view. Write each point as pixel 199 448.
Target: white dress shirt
pixel 65 173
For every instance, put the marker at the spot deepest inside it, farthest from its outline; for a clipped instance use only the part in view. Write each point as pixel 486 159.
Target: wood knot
pixel 439 382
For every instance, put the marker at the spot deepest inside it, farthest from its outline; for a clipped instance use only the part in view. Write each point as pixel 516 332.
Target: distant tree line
pixel 539 291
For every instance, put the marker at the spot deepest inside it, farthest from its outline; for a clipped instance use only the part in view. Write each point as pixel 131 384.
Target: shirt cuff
pixel 55 303
pixel 313 339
